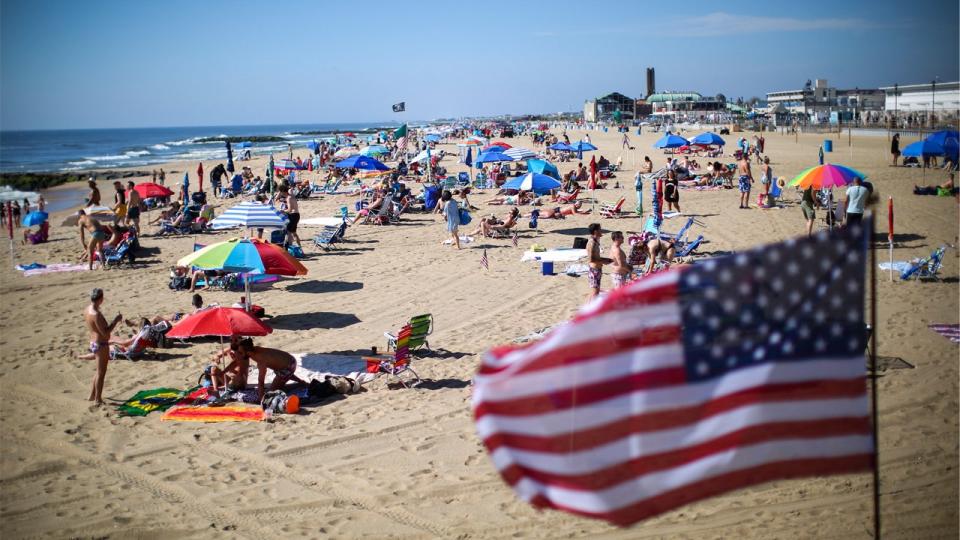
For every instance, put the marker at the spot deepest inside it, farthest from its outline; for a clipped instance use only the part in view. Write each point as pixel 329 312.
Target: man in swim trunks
pixel 620 267
pixel 746 179
pixel 596 261
pixel 99 342
pixel 283 364
pixel 133 206
pixel 98 234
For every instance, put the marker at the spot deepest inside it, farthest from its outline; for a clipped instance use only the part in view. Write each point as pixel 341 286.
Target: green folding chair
pixel 421 326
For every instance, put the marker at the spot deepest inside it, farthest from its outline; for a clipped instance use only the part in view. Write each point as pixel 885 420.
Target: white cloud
pixel 720 24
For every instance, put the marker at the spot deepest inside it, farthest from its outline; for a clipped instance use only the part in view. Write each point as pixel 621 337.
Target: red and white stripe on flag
pixel 616 415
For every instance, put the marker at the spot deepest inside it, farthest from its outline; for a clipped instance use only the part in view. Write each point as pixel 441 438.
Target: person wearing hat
pixel 99 342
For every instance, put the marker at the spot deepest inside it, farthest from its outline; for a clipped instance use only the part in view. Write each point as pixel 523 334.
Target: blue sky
pixel 99 63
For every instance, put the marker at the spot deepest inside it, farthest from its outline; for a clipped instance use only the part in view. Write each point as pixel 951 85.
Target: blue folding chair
pixel 927 267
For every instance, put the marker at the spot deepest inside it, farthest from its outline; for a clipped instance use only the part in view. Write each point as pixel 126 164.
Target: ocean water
pixel 81 149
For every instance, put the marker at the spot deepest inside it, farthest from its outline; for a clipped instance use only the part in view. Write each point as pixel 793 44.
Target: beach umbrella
pixel 149 190
pixel 593 172
pixel 564 147
pixel 495 147
pixel 421 156
pixel 244 144
pixel 582 146
pixel 940 137
pixel 230 168
pixel 520 154
pixel 671 141
pixel 249 215
pixel 248 255
pixel 924 148
pixel 535 182
pixel 219 322
pixel 287 165
pixel 313 145
pixel 826 176
pixel 470 142
pixel 543 166
pixel 374 150
pixel 501 144
pixel 492 157
pixel 199 176
pixel 432 137
pixel 100 213
pixel 365 163
pixel 707 139
pixel 951 148
pixel 34 218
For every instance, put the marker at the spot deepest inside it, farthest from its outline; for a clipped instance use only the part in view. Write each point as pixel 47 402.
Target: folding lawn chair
pixel 421 326
pixel 926 268
pixel 400 363
pixel 612 210
pixel 330 235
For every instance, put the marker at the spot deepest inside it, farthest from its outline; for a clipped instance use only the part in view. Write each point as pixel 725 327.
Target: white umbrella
pixel 422 156
pixel 520 154
pixel 249 215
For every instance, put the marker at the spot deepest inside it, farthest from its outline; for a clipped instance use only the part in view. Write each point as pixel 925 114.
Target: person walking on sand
pixel 99 342
pixel 97 236
pixel 746 179
pixel 807 205
pixel 625 143
pixel 119 202
pixel 595 273
pixel 451 211
pixel 856 201
pixel 895 148
pixel 133 206
pixel 620 267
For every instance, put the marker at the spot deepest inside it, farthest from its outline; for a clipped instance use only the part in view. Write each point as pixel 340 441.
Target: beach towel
pixel 317 366
pixel 897 266
pixel 554 255
pixel 949 331
pixel 463 240
pixel 145 402
pixel 54 268
pixel 234 412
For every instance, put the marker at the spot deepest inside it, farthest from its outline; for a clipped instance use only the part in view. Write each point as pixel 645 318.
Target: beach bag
pixel 296 251
pixel 465 218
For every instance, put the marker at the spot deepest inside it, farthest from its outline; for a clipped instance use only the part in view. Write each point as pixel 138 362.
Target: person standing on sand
pixel 807 205
pixel 93 199
pixel 15 214
pixel 856 201
pixel 133 206
pixel 163 176
pixel 625 143
pixel 895 148
pixel 97 236
pixel 99 342
pixel 595 273
pixel 154 176
pixel 451 211
pixel 621 268
pixel 746 179
pixel 119 202
pixel 41 204
pixel 293 214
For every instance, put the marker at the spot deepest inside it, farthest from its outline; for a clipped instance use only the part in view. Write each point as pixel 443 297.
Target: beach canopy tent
pixel 374 150
pixel 492 157
pixel 364 163
pixel 829 175
pixel 250 215
pixel 924 148
pixel 544 167
pixel 150 190
pixel 707 139
pixel 671 141
pixel 519 154
pixel 535 182
pixel 219 322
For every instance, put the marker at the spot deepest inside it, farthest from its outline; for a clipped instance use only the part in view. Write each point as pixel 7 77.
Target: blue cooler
pixel 546 267
pixel 827 145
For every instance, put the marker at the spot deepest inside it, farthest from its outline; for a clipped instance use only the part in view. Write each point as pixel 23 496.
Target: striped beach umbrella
pixel 245 255
pixel 520 154
pixel 249 215
pixel 826 176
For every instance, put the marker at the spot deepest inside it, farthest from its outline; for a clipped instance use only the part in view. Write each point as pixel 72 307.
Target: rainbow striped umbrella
pixel 826 176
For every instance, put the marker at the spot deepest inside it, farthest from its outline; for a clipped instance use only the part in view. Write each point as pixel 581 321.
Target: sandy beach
pixel 406 463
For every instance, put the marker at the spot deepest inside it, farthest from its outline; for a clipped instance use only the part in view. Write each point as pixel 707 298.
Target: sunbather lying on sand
pixel 522 197
pixel 490 226
pixel 560 212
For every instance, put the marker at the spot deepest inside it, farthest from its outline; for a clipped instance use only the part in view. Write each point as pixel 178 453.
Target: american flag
pixel 484 263
pixel 688 384
pixel 516 240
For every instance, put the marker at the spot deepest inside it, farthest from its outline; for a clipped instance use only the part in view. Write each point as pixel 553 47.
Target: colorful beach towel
pixel 54 268
pixel 145 402
pixel 949 331
pixel 234 412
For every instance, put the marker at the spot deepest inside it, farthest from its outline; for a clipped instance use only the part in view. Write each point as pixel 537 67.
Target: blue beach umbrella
pixel 542 166
pixel 432 137
pixel 244 144
pixel 707 139
pixel 468 161
pixel 535 182
pixel 186 187
pixel 581 146
pixel 313 145
pixel 564 147
pixel 229 158
pixel 365 163
pixel 924 148
pixel 34 218
pixel 940 137
pixel 374 150
pixel 492 157
pixel 671 141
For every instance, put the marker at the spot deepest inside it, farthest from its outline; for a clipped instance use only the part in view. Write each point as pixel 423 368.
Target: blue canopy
pixel 671 141
pixel 561 146
pixel 582 146
pixel 374 150
pixel 940 137
pixel 951 148
pixel 432 137
pixel 34 218
pixel 493 156
pixel 313 145
pixel 537 183
pixel 707 139
pixel 543 166
pixel 924 148
pixel 362 162
pixel 244 144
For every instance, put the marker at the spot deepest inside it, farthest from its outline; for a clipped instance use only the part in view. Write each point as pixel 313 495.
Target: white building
pixel 922 101
pixel 819 102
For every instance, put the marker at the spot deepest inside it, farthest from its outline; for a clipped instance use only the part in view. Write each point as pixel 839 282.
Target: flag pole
pixel 873 386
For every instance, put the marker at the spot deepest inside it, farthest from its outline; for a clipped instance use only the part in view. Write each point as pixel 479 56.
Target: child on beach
pixel 233 377
pixel 451 211
pixel 283 364
pixel 745 180
pixel 620 267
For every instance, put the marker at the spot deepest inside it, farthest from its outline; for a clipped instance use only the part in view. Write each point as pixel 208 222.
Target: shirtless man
pixel 282 363
pixel 596 261
pixel 621 268
pixel 746 179
pixel 99 342
pixel 94 198
pixel 133 206
pixel 562 211
pixel 293 214
pixel 97 236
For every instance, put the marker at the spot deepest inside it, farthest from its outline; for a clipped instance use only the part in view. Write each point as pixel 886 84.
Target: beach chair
pixel 449 183
pixel 463 179
pixel 926 268
pixel 568 197
pixel 421 326
pixel 136 349
pixel 115 256
pixel 612 210
pixel 330 235
pixel 687 248
pixel 400 363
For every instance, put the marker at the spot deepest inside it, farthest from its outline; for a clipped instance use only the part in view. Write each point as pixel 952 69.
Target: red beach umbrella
pixel 148 190
pixel 219 321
